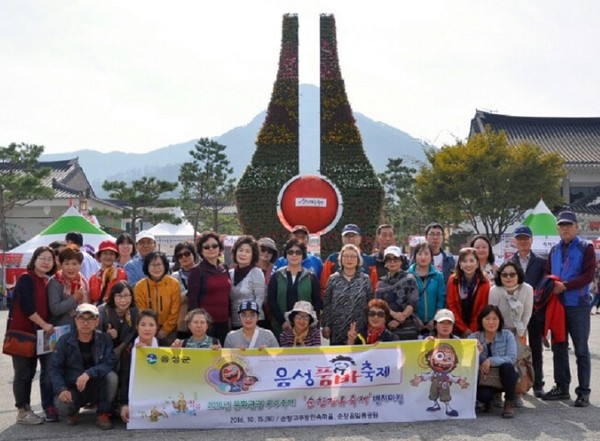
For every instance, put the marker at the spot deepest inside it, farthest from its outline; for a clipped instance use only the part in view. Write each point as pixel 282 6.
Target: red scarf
pixel 373 334
pixel 71 286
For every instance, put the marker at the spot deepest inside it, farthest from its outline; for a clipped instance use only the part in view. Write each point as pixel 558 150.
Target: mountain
pixel 380 141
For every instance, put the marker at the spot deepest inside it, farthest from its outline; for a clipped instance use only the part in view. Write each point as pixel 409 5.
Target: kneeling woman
pixel 250 335
pixel 304 330
pixel 378 313
pixel 498 350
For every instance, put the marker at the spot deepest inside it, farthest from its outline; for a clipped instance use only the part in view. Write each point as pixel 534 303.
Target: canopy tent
pixel 71 220
pixel 543 226
pixel 168 235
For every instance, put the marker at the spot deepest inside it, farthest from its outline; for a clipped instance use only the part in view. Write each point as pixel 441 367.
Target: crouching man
pixel 82 369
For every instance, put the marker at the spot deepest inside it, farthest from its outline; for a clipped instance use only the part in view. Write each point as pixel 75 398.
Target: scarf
pixel 107 276
pixel 240 274
pixel 300 337
pixel 70 286
pixel 516 309
pixel 373 334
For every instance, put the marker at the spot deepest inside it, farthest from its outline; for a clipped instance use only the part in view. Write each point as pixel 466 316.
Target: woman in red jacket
pixel 109 273
pixel 467 292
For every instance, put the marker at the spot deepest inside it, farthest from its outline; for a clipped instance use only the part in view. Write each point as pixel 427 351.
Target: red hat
pixel 107 245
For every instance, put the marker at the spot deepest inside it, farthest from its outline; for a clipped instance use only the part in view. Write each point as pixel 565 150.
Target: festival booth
pixel 16 259
pixel 543 226
pixel 168 235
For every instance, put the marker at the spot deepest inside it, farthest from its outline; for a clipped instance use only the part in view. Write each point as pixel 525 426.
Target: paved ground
pixel 539 420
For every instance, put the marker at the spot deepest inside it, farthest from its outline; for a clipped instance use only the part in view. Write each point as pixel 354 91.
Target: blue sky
pixel 138 75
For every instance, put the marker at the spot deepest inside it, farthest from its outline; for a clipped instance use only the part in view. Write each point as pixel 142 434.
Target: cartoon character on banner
pixel 231 377
pixel 154 414
pixel 442 360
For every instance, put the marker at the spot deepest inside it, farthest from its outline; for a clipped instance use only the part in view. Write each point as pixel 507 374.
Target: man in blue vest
pixel 574 261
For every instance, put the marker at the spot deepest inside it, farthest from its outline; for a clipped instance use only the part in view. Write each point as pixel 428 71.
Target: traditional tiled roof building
pixel 577 140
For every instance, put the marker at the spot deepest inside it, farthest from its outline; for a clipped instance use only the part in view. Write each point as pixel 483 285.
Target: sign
pixel 388 382
pixel 313 201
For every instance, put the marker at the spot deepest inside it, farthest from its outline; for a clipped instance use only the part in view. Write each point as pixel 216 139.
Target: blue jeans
pixel 578 327
pixel 24 369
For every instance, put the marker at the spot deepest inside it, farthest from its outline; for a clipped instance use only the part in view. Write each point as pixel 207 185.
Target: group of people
pixel 135 297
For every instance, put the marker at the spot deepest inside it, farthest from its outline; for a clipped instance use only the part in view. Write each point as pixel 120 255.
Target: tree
pixel 20 181
pixel 139 196
pixel 207 186
pixel 488 183
pixel 401 209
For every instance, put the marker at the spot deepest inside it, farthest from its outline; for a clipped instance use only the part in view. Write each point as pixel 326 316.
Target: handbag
pixel 491 379
pixel 19 343
pixel 524 367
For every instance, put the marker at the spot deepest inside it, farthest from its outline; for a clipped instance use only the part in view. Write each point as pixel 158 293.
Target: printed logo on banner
pixel 151 358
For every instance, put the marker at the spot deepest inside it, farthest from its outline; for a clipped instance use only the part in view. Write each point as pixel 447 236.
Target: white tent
pixel 71 220
pixel 168 235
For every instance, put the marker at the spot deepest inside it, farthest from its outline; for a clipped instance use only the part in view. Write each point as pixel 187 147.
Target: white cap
pixel 144 235
pixel 87 308
pixel 393 250
pixel 444 315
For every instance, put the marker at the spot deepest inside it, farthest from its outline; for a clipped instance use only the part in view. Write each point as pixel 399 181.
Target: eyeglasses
pixel 508 275
pixel 379 314
pixel 83 319
pixel 46 259
pixel 210 246
pixel 304 318
pixel 349 256
pixel 248 315
pixel 294 252
pixel 392 259
pixel 438 234
pixel 122 296
pixel 266 250
pixel 184 254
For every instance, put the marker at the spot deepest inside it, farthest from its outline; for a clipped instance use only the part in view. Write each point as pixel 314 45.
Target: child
pixel 198 321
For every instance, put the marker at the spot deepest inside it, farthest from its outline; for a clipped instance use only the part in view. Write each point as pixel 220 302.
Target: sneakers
pixel 556 393
pixel 51 415
pixel 27 417
pixel 508 411
pixel 497 401
pixel 538 392
pixel 103 421
pixel 583 400
pixel 518 403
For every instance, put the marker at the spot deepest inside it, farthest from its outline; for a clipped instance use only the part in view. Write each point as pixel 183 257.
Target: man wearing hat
pixel 144 244
pixel 351 234
pixel 82 369
pixel 311 262
pixel 534 268
pixel 574 262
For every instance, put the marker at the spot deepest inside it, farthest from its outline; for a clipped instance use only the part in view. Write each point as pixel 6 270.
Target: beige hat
pixel 87 308
pixel 444 315
pixel 305 307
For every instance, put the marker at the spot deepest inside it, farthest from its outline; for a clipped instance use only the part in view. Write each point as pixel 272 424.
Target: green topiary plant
pixel 275 160
pixel 343 159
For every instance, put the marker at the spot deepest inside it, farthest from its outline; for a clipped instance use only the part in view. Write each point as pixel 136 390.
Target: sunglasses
pixel 266 250
pixel 184 254
pixel 508 275
pixel 294 252
pixel 379 314
pixel 209 246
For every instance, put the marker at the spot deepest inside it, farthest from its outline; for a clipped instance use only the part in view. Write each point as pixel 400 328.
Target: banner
pixel 388 382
